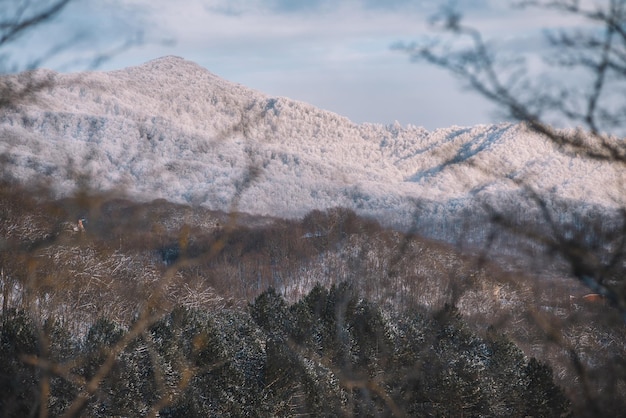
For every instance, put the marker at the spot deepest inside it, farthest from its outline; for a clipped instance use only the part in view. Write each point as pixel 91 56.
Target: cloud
pixel 291 7
pixel 277 33
pixel 274 19
pixel 332 53
pixel 313 29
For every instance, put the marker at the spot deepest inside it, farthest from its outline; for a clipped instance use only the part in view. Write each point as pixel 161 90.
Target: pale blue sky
pixel 334 54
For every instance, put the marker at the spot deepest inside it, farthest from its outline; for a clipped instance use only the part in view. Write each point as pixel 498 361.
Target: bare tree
pixel 155 286
pixel 21 18
pixel 24 16
pixel 576 100
pixel 16 20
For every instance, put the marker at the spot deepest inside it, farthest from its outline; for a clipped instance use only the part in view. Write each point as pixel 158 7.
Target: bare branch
pixel 14 26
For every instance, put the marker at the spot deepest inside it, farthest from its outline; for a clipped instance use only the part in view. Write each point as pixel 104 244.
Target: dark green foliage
pixel 270 312
pixel 427 366
pixel 132 367
pixel 101 337
pixel 62 347
pixel 19 395
pixel 296 385
pixel 542 397
pixel 224 354
pixel 441 368
pixel 330 354
pixel 338 324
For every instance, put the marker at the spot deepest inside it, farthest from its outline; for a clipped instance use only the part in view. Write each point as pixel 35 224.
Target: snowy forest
pixel 173 244
pixel 146 309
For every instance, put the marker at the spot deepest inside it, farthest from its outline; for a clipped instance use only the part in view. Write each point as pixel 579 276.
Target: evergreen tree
pixel 19 391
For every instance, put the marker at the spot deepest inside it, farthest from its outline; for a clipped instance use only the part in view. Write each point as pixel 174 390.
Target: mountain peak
pixel 169 58
pixel 171 129
pixel 170 63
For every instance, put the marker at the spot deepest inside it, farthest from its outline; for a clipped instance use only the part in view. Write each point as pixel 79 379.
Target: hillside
pixel 164 260
pixel 167 229
pixel 171 129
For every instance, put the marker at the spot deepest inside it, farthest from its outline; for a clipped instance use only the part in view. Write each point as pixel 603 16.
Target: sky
pixel 334 54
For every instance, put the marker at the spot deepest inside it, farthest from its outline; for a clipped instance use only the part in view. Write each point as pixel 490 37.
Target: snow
pixel 171 129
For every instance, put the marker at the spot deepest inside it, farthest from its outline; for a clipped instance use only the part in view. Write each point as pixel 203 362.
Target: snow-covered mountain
pixel 171 129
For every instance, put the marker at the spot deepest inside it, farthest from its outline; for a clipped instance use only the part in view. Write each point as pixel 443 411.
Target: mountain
pixel 171 129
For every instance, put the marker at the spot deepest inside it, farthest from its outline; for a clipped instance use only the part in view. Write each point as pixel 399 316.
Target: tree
pixel 576 100
pixel 20 18
pixel 16 20
pixel 35 380
pixel 23 16
pixel 18 381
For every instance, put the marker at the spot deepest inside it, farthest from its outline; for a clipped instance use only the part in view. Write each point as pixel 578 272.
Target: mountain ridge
pixel 171 129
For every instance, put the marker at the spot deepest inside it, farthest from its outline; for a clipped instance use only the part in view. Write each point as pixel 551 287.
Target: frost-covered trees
pixel 331 353
pixel 571 96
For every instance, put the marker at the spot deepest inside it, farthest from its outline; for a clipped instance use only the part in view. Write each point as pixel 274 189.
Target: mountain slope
pixel 171 129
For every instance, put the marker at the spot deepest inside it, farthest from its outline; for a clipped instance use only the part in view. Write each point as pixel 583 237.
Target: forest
pixel 159 309
pixel 182 306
